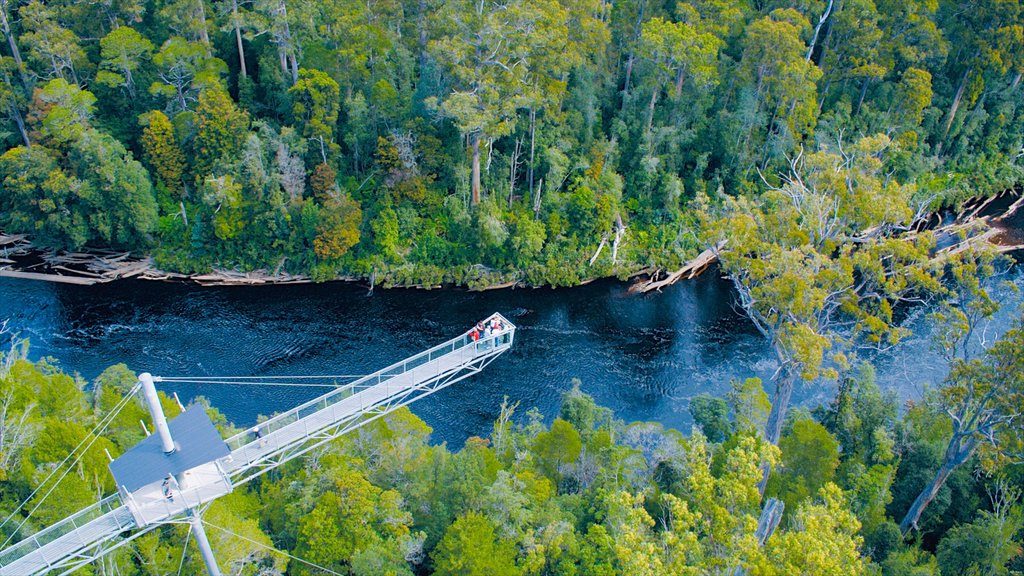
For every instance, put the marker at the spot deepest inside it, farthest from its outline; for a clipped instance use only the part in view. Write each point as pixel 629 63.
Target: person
pixel 257 431
pixel 474 334
pixel 167 489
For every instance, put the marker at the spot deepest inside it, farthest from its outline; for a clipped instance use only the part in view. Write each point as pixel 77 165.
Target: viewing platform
pixel 155 488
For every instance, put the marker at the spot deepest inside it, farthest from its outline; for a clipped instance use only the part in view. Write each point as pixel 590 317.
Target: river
pixel 642 356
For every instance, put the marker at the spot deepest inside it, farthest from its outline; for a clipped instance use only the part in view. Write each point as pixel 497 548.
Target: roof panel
pixel 197 442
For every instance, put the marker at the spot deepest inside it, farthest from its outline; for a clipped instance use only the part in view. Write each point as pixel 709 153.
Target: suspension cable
pixel 262 545
pixel 323 377
pixel 246 383
pixel 92 436
pixel 181 563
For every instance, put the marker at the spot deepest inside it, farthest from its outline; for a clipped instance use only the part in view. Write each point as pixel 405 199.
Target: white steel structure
pixel 118 519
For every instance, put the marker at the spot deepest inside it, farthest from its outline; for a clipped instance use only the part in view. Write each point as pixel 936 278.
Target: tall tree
pixel 185 69
pixel 221 130
pixel 123 50
pixel 55 50
pixel 799 277
pixel 983 397
pixel 316 101
pixel 679 51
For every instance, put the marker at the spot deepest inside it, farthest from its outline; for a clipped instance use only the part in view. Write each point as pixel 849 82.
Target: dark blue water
pixel 644 357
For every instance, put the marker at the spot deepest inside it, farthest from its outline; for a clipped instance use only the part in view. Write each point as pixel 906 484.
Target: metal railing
pixel 110 504
pixel 461 344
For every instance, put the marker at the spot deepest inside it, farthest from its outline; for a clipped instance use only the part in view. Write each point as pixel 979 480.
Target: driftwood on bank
pixel 690 270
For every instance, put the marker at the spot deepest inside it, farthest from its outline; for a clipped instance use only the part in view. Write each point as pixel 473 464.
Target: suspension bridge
pixel 170 476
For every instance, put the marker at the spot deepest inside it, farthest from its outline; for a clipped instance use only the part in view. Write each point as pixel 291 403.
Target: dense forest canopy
pixel 430 141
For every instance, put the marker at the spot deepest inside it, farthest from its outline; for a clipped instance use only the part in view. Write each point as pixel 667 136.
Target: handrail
pixel 291 416
pixel 36 541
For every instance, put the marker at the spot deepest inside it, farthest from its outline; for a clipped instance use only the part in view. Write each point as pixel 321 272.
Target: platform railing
pixel 68 525
pixel 461 343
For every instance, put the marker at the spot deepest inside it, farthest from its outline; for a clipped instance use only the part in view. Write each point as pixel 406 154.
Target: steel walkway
pixel 90 533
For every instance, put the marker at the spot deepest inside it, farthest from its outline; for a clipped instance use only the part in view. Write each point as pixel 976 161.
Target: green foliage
pixel 540 142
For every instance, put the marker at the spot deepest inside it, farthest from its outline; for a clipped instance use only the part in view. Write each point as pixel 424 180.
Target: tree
pixel 315 106
pixel 185 68
pixel 557 448
pixel 187 18
pixel 485 53
pixel 986 42
pixel 338 230
pixel 712 415
pixel 792 259
pixel 51 47
pixel 985 546
pixel 824 540
pixel 221 130
pixel 983 398
pixel 470 547
pixel 810 457
pixel 123 50
pixel 784 81
pixel 161 152
pixel 679 51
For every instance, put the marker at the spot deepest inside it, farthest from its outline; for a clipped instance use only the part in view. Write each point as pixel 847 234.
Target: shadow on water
pixel 644 357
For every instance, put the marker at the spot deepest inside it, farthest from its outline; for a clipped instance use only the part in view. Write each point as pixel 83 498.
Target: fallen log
pixel 689 271
pixel 51 277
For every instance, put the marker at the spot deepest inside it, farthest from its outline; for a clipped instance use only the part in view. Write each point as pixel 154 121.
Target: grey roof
pixel 197 442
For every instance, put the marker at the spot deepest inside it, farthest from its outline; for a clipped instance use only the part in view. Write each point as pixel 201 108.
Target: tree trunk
pixel 631 60
pixel 475 195
pixel 20 121
pixel 533 146
pixel 650 110
pixel 282 56
pixel 780 405
pixel 817 29
pixel 680 80
pixel 955 105
pixel 961 447
pixel 204 34
pixel 777 416
pixel 513 164
pixel 294 59
pixel 15 53
pixel 925 498
pixel 863 93
pixel 1016 81
pixel 536 200
pixel 238 40
pixel 625 85
pixel 421 24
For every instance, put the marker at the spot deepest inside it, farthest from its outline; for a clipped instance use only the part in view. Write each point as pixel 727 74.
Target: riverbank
pixel 996 220
pixel 20 259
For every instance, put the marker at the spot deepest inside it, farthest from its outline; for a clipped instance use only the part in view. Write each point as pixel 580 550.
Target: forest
pixel 429 142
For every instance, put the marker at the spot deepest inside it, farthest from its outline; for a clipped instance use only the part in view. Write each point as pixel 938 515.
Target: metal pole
pixel 203 543
pixel 157 411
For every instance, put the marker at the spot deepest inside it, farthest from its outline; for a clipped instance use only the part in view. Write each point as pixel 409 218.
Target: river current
pixel 642 356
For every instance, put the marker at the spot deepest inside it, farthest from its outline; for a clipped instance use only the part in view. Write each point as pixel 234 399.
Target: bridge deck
pixel 75 540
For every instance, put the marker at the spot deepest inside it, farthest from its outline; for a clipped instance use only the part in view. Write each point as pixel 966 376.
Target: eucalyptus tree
pixel 485 49
pixel 123 50
pixel 783 108
pixel 184 69
pixel 817 264
pixel 679 52
pixel 55 50
pixel 983 395
pixel 988 44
